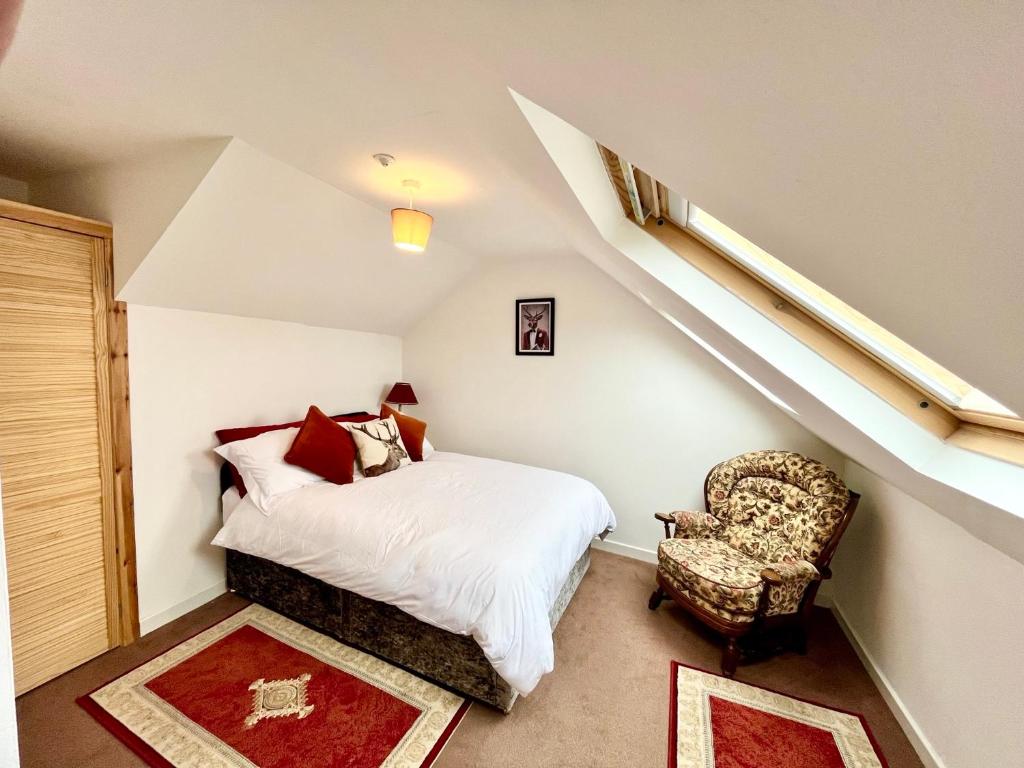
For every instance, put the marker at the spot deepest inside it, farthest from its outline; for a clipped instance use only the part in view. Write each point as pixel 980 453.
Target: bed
pixel 457 567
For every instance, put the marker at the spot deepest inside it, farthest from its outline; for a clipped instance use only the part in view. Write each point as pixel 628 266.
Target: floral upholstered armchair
pixel 755 557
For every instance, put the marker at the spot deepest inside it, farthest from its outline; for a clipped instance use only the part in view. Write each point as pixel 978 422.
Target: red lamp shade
pixel 401 394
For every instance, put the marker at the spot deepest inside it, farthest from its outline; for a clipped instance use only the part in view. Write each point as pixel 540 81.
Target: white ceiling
pixel 259 238
pixel 878 149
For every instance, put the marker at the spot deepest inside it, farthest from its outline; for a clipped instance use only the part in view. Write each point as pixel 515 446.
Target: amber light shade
pixel 410 229
pixel 401 394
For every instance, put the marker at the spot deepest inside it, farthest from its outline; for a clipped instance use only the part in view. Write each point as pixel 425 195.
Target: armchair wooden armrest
pixel 667 520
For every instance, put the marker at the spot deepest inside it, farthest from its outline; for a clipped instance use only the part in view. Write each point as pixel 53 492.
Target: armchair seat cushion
pixel 722 579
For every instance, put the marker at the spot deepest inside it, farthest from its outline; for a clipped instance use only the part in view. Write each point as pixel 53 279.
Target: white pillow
pixel 428 449
pixel 260 462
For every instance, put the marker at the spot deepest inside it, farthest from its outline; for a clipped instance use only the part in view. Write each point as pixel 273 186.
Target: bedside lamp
pixel 401 394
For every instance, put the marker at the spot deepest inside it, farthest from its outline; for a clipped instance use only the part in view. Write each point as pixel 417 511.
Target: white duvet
pixel 474 546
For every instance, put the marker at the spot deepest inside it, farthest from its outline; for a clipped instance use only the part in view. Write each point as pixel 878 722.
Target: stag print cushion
pixel 379 446
pixel 413 431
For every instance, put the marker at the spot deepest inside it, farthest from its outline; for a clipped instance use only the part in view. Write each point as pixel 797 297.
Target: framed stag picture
pixel 535 326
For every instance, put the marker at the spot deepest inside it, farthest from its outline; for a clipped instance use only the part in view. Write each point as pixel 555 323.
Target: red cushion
pixel 244 433
pixel 412 431
pixel 323 447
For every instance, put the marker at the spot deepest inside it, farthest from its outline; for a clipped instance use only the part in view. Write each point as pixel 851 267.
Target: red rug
pixel 715 722
pixel 260 690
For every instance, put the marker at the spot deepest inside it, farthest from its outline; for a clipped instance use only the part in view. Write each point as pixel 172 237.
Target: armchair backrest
pixel 777 505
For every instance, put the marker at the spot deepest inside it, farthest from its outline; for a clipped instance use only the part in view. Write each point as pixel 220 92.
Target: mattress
pixel 473 546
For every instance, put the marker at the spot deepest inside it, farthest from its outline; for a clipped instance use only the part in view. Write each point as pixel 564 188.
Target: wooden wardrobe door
pixel 55 452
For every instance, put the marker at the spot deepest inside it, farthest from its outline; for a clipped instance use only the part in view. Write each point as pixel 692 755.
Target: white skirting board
pixel 825 599
pixel 627 550
pixel 156 621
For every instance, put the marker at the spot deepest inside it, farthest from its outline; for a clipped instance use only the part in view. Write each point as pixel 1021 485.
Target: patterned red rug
pixel 715 722
pixel 258 690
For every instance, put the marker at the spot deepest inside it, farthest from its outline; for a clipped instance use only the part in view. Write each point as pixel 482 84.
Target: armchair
pixel 755 558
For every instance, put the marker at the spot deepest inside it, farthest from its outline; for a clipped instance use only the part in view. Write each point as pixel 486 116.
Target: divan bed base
pixel 454 661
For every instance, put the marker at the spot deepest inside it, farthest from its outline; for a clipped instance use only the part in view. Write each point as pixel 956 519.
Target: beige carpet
pixel 606 703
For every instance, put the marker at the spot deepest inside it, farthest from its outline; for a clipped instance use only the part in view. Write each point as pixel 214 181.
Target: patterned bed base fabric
pixel 455 661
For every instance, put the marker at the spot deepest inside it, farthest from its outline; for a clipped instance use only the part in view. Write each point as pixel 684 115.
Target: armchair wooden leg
pixel 656 597
pixel 730 657
pixel 802 626
pixel 800 640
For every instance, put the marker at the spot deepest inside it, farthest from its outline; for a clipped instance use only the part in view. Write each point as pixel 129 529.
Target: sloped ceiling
pixel 877 149
pixel 259 238
pixel 140 196
pixel 979 493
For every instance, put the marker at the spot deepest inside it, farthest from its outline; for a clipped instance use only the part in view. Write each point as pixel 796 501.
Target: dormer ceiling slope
pixel 978 492
pixel 879 149
pixel 260 238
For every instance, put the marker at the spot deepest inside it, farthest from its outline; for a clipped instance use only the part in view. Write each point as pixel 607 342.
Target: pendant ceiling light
pixel 410 228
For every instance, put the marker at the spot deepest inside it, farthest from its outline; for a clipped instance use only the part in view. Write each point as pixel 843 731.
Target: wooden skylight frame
pixel 1000 436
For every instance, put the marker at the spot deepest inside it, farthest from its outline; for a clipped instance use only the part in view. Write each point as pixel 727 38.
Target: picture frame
pixel 535 327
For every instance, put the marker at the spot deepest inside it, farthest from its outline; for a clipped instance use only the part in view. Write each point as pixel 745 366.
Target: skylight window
pixel 643 196
pixel 926 373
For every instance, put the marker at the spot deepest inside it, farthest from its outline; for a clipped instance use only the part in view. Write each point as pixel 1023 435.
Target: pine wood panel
pixel 23 406
pixel 101 300
pixel 80 551
pixel 36 332
pixel 1000 443
pixel 820 337
pixel 614 170
pixel 56 448
pixel 60 515
pixel 30 214
pixel 124 499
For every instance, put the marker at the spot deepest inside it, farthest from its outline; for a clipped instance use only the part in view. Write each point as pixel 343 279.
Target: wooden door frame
pixel 115 418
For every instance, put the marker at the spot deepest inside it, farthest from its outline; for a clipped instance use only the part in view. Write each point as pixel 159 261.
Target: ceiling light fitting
pixel 410 228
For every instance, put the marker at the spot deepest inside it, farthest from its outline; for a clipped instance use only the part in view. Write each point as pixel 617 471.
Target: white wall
pixel 937 614
pixel 12 189
pixel 194 372
pixel 8 721
pixel 627 401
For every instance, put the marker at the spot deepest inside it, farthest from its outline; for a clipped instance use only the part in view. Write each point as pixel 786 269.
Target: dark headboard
pixel 226 481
